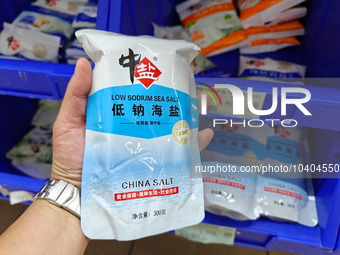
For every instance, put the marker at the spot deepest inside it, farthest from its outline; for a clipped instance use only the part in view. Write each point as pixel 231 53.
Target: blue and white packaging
pixel 271 70
pixel 235 145
pixel 27 44
pixel 86 17
pixel 74 52
pixel 141 137
pixel 242 189
pixel 51 17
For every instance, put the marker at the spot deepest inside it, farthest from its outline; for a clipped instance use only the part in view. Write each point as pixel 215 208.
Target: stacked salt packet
pixel 44 29
pixel 32 155
pixel 86 18
pixel 179 33
pixel 213 25
pixel 234 184
pixel 271 25
pixel 267 69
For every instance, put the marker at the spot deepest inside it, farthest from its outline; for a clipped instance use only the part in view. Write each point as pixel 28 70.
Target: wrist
pixel 73 177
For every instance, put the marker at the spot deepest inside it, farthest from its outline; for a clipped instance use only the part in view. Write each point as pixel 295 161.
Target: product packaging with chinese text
pixel 213 25
pixel 141 137
pixel 238 184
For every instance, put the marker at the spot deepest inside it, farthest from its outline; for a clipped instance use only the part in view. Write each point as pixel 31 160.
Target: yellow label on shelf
pixel 206 233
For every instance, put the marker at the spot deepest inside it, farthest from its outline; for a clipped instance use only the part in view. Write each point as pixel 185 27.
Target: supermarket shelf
pixel 34 79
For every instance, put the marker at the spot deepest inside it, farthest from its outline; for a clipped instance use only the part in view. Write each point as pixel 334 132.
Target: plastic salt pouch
pixel 227 193
pixel 141 137
pixel 244 195
pixel 52 17
pixel 226 190
pixel 283 198
pixel 33 154
pixel 86 17
pixel 287 146
pixel 287 29
pixel 33 45
pixel 269 45
pixel 271 70
pixel 235 144
pixel 178 33
pixel 255 12
pixel 213 25
pixel 287 199
pixel 287 15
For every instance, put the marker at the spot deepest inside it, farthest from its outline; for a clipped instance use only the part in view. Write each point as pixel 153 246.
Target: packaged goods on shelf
pixel 258 12
pixel 74 52
pixel 178 33
pixel 46 114
pixel 137 163
pixel 33 154
pixel 213 25
pixel 269 45
pixel 51 17
pixel 287 15
pixel 271 70
pixel 86 17
pixel 43 30
pixel 287 29
pixel 246 193
pixel 29 44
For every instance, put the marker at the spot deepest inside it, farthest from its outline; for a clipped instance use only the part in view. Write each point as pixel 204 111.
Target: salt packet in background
pixel 287 29
pixel 269 45
pixel 271 70
pixel 28 44
pixel 51 17
pixel 226 191
pixel 287 195
pixel 235 145
pixel 231 191
pixel 258 12
pixel 179 33
pixel 74 51
pixel 86 17
pixel 287 199
pixel 46 114
pixel 141 137
pixel 33 153
pixel 284 16
pixel 213 25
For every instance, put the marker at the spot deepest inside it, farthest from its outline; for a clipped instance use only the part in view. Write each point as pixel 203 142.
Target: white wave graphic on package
pixel 141 138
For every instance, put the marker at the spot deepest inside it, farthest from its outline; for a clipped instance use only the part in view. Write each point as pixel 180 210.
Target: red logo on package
pixel 13 43
pixel 146 72
pixel 281 131
pixel 51 3
pixel 256 63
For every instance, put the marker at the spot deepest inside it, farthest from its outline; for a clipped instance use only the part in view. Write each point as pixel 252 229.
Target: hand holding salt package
pixel 141 137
